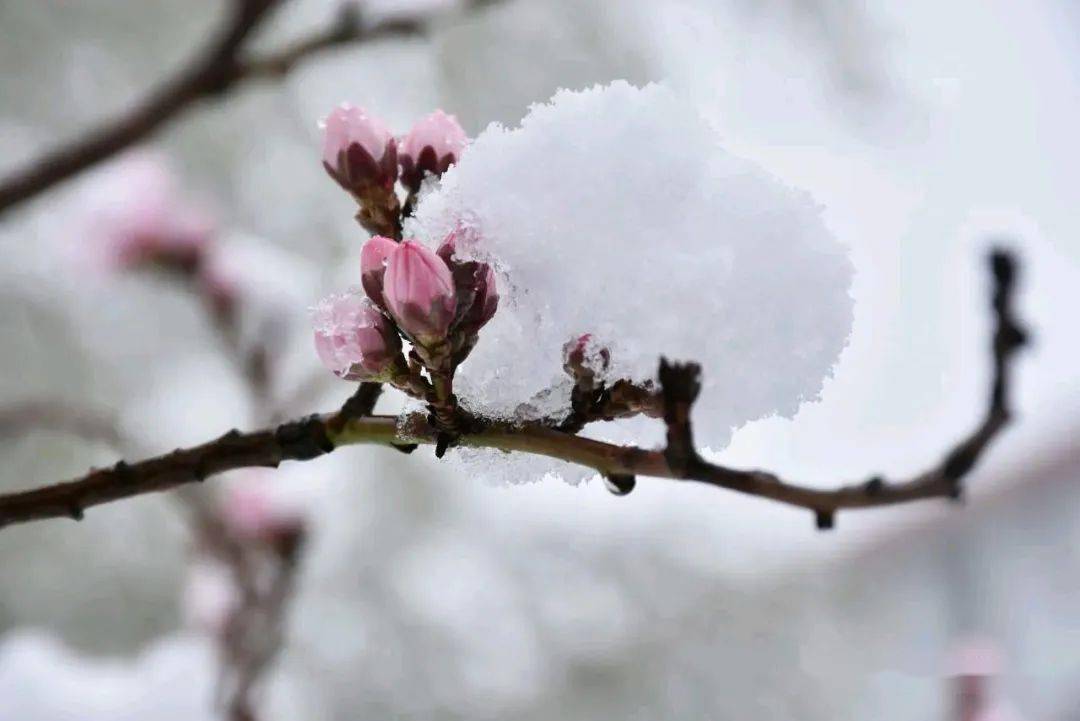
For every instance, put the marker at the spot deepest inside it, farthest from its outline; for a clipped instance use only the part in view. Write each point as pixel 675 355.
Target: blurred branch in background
pixel 256 541
pixel 56 415
pixel 259 547
pixel 214 71
pixel 346 30
pixel 311 437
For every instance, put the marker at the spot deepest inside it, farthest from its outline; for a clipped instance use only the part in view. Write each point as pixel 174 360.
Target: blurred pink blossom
pixel 251 510
pixel 975 657
pixel 210 596
pixel 974 667
pixel 134 215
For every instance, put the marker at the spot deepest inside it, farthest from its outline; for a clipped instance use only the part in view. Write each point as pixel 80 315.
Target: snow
pixel 616 211
pixel 41 679
pixel 271 284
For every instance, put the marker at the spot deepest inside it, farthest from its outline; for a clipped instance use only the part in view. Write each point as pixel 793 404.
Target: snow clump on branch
pixel 616 211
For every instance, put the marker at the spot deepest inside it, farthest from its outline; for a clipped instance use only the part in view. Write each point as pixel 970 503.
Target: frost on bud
pixel 353 339
pixel 418 289
pixel 433 145
pixel 373 258
pixel 358 150
pixel 584 359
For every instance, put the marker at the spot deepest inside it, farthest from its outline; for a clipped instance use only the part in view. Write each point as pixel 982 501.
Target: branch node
pixel 680 384
pixel 824 520
pixel 442 442
pixel 1003 266
pixel 956 491
pixel 304 439
pixel 874 486
pixel 362 402
pixel 122 471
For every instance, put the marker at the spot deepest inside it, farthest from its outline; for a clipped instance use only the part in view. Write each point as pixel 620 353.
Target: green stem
pixel 537 440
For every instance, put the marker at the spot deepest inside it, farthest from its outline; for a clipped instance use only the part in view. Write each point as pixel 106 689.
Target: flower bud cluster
pixel 432 299
pixel 364 158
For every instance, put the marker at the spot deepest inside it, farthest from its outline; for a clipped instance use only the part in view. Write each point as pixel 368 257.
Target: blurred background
pixel 925 131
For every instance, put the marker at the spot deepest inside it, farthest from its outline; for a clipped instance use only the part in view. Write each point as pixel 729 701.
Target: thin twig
pixel 347 30
pixel 214 71
pixel 210 74
pixel 680 388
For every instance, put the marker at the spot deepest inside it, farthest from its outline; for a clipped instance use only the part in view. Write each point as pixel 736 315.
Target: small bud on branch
pixel 360 153
pixel 354 340
pixel 373 257
pixel 419 292
pixel 431 147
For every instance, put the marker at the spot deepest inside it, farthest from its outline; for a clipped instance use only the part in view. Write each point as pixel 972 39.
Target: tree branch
pixel 347 29
pixel 316 435
pixel 214 71
pixel 209 74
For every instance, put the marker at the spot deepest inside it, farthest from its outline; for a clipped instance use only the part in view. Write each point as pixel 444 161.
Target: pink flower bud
pixel 478 300
pixel 373 257
pixel 358 150
pixel 485 301
pixel 353 339
pixel 419 292
pixel 477 296
pixel 448 248
pixel 584 358
pixel 433 145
